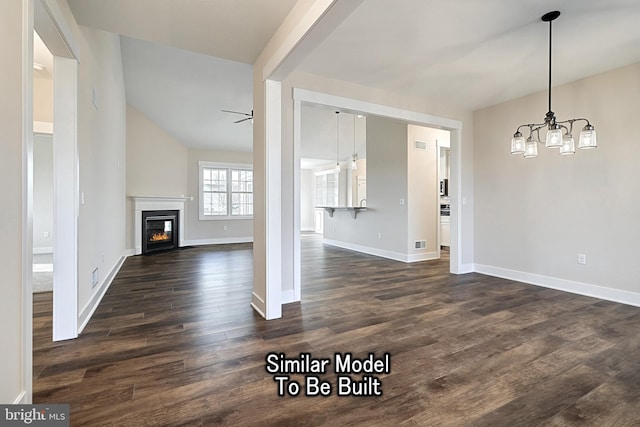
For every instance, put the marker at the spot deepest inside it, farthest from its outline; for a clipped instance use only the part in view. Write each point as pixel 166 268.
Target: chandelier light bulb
pixel 587 137
pixel 531 148
pixel 554 137
pixel 568 145
pixel 517 143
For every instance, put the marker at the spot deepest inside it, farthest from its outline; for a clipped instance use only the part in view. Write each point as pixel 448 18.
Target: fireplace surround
pixel 157 203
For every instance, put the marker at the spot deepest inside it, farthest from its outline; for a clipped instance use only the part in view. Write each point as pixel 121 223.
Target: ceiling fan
pixel 248 116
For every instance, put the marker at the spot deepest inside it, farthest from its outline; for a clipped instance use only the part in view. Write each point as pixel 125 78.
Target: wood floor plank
pixel 176 342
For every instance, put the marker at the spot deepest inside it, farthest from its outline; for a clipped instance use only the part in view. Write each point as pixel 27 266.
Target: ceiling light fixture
pixel 337 142
pixel 558 135
pixel 354 157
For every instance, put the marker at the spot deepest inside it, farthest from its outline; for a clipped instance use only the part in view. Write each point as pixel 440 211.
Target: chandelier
pixel 559 133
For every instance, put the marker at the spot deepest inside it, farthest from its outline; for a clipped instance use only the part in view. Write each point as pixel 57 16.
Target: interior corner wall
pixel 534 216
pixel 12 357
pixel 212 231
pixel 102 159
pixel 382 229
pixel 156 164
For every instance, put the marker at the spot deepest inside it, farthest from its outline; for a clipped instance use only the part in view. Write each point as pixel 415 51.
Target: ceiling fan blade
pixel 237 112
pixel 244 120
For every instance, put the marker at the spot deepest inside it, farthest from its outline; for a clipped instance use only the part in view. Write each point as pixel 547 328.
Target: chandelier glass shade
pixel 559 133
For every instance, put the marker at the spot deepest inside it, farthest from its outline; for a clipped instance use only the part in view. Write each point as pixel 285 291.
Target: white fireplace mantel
pixel 156 203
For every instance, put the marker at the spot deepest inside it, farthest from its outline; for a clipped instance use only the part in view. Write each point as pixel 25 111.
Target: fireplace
pixel 159 230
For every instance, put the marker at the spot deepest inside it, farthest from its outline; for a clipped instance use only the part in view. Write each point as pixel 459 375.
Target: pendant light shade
pixel 554 137
pixel 587 137
pixel 517 143
pixel 337 142
pixel 354 157
pixel 558 132
pixel 568 145
pixel 531 147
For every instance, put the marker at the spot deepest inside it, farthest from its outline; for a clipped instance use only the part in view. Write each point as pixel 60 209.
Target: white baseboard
pixel 425 256
pixel 129 252
pixel 288 297
pixel 307 229
pixel 595 291
pixel 218 241
pixel 466 268
pixel 92 305
pixel 42 251
pixel 21 399
pixel 396 256
pixel 258 304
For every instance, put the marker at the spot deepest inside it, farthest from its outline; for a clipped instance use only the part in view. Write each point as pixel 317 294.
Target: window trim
pixel 219 165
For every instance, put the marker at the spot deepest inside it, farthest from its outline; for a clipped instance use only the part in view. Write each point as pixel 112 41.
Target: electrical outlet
pixel 582 259
pixel 401 202
pixel 46 234
pixel 379 235
pixel 225 228
pixel 94 277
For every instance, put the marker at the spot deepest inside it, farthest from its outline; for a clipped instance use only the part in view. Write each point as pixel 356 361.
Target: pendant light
pixel 337 142
pixel 558 135
pixel 354 157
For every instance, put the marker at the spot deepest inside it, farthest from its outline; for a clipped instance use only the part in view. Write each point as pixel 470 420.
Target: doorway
pixel 57 39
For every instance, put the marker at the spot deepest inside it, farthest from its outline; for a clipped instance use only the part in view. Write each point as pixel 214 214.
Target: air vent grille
pixel 421 145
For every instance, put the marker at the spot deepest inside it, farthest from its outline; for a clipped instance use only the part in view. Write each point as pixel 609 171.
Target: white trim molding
pixel 258 304
pixel 218 241
pixel 45 128
pixel 585 289
pixel 156 203
pixel 92 305
pixel 396 256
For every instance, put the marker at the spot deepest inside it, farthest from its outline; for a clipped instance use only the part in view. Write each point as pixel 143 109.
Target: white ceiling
pixel 467 53
pixel 184 92
pixel 237 30
pixel 473 54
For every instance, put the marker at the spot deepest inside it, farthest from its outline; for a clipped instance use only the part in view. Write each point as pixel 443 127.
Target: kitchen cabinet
pixel 445 231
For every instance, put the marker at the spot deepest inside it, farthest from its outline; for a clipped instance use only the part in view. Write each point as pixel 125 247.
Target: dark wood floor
pixel 175 342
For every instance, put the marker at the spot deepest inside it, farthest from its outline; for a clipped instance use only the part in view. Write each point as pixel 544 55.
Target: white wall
pixel 386 185
pixel 43 100
pixel 156 164
pixel 42 193
pixel 212 231
pixel 102 151
pixel 307 199
pixel 533 216
pixel 423 190
pixel 11 193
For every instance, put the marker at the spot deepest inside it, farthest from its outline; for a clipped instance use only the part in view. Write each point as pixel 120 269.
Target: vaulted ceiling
pixel 186 60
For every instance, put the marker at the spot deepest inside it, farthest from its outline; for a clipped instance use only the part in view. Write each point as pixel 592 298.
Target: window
pixel 327 188
pixel 226 191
